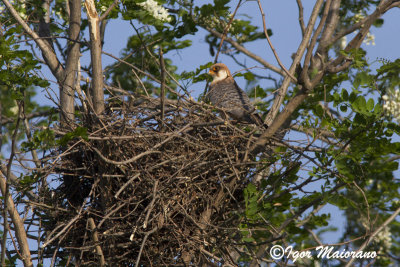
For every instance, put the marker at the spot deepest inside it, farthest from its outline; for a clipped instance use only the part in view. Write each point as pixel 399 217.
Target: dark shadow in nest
pixel 142 189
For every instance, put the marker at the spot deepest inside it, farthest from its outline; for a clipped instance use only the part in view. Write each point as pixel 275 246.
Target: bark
pixel 67 84
pixel 95 53
pixel 18 224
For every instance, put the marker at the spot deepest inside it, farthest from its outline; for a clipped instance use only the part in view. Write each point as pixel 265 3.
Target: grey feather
pixel 226 94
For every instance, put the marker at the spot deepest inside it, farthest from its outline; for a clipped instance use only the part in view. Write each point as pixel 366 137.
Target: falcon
pixel 226 94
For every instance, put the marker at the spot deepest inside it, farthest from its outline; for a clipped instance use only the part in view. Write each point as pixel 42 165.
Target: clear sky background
pixel 282 18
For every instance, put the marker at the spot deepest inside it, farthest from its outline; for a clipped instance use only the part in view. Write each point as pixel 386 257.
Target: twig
pixel 246 52
pixel 162 87
pixel 151 205
pixel 380 228
pixel 301 17
pixel 65 228
pixel 141 154
pixel 126 184
pixel 142 246
pixel 105 14
pixel 270 43
pixel 226 31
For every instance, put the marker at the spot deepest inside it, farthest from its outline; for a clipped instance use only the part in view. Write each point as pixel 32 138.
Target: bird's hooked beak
pixel 211 72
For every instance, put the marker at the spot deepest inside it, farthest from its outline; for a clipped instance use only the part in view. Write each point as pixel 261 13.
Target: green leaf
pixel 370 104
pixel 378 23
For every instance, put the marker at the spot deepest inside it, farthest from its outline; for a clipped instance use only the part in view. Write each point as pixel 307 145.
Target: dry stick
pixel 146 74
pixel 389 220
pixel 246 52
pixel 140 81
pixel 162 88
pixel 141 154
pixel 226 31
pixel 270 43
pixel 126 184
pixel 95 237
pixel 301 17
pixel 151 205
pixel 143 242
pixel 65 228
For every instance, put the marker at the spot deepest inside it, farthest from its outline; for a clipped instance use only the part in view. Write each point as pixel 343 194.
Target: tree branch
pixel 95 53
pixel 246 52
pixel 380 228
pixel 270 44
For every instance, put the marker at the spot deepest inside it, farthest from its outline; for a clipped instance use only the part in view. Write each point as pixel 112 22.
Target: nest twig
pixel 142 191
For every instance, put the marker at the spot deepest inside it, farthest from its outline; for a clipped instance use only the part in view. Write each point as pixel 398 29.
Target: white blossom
pixel 343 42
pixel 155 10
pixel 392 103
pixel 369 39
pixel 14 109
pixel 358 17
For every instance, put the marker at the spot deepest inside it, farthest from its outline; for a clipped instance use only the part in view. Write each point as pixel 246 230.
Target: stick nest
pixel 151 186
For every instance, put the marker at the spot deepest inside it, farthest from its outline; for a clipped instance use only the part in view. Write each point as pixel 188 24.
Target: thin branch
pixel 105 14
pixel 142 246
pixel 162 87
pixel 286 82
pixel 307 61
pixel 301 17
pixel 48 53
pixel 226 31
pixel 151 205
pixel 95 238
pixel 241 48
pixel 270 44
pixel 371 237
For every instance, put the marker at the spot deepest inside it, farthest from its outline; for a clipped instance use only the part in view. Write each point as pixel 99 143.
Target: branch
pixel 334 65
pixel 286 82
pixel 95 53
pixel 47 51
pixel 105 14
pixel 380 228
pixel 270 43
pixel 307 61
pixel 162 87
pixel 245 51
pixel 19 225
pixel 95 238
pixel 226 31
pixel 301 17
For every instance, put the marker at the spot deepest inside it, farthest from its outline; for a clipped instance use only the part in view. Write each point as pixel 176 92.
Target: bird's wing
pixel 243 98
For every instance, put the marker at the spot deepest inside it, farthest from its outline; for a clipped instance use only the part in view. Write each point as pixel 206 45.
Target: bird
pixel 226 94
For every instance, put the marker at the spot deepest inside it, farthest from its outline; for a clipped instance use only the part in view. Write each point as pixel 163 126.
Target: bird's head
pixel 219 72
